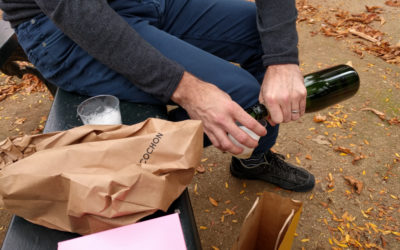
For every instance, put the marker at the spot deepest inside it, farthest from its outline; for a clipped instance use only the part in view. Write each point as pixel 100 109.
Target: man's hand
pixel 283 93
pixel 219 114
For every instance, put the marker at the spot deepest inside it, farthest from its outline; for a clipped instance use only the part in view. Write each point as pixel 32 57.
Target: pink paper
pixel 160 233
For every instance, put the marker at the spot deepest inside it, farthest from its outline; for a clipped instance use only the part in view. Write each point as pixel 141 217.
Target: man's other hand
pixel 283 93
pixel 219 114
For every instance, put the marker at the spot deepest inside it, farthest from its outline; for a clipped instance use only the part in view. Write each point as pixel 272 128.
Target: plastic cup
pixel 100 110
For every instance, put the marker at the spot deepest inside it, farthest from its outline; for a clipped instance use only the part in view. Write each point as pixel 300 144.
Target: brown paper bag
pixel 270 224
pixel 96 177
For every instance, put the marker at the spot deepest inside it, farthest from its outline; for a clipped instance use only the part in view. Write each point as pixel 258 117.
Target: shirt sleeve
pixel 276 22
pixel 106 36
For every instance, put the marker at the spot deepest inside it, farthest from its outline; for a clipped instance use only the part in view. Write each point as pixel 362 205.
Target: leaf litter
pixel 356 184
pixel 28 84
pixel 360 28
pixel 377 225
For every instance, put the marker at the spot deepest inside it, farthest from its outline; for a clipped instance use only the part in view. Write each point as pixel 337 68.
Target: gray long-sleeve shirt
pixel 115 44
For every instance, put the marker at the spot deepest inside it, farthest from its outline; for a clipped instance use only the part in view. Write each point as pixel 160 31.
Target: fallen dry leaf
pixel 322 140
pixel 364 36
pixel 357 158
pixel 319 118
pixel 374 9
pixel 393 3
pixel 394 121
pixel 380 114
pixel 200 169
pixel 20 121
pixel 383 241
pixel 383 21
pixel 43 119
pixel 344 150
pixel 356 184
pixel 325 205
pixel 31 83
pixel 213 202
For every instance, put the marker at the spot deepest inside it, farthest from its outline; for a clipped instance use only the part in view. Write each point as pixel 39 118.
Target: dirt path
pixel 334 215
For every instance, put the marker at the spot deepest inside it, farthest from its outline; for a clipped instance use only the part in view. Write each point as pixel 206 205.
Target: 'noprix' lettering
pixel 150 149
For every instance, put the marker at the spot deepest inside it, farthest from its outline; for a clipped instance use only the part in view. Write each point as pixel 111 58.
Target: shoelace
pixel 278 166
pixel 273 163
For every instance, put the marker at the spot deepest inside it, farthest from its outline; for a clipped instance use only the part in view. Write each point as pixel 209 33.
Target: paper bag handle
pixel 282 231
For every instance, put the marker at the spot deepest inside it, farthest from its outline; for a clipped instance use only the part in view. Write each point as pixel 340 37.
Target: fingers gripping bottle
pixel 324 88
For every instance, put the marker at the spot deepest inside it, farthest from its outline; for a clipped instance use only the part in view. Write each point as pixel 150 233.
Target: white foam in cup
pixel 101 110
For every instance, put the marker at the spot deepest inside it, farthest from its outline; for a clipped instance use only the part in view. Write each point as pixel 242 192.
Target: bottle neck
pixel 258 111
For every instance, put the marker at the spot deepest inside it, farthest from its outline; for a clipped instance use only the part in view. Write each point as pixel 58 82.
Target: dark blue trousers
pixel 205 36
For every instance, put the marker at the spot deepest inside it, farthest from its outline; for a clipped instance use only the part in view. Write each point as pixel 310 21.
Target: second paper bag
pixel 270 224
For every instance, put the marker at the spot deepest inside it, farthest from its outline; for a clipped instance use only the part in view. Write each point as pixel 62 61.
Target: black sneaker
pixel 273 169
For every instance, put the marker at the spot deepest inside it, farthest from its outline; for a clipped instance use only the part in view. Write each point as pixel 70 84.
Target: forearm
pixel 101 32
pixel 276 22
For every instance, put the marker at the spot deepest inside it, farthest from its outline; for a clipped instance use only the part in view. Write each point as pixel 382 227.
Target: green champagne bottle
pixel 324 88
